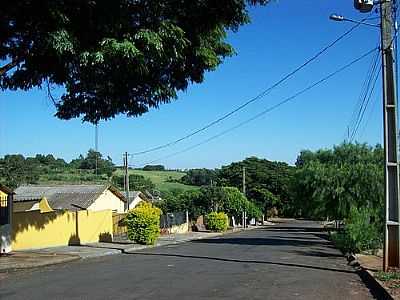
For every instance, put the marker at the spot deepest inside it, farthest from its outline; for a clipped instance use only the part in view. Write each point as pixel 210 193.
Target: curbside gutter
pixel 376 286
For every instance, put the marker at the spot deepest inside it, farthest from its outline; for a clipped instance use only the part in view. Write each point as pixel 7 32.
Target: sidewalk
pixel 23 260
pixel 56 255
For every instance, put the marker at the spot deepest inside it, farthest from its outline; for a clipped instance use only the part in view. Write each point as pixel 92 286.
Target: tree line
pixel 15 169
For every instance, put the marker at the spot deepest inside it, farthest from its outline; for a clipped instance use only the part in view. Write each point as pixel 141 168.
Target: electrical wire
pixel 269 109
pixel 354 133
pixel 363 94
pixel 358 109
pixel 257 97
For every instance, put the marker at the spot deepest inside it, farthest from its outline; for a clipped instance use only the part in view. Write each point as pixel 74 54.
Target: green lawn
pixel 160 179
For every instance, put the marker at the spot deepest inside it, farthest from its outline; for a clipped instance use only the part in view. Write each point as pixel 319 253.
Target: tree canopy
pixel 113 57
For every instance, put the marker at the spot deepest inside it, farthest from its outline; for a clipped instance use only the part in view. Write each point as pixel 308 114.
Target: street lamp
pixel 340 18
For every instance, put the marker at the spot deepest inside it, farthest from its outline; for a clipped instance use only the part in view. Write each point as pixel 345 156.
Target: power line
pixel 373 108
pixel 363 94
pixel 269 109
pixel 259 96
pixel 355 118
pixel 365 107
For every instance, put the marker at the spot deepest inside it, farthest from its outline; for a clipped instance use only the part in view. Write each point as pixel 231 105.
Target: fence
pixel 119 227
pixel 176 222
pixel 34 229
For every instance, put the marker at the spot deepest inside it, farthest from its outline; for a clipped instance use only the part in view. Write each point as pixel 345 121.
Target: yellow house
pixel 68 197
pixel 6 201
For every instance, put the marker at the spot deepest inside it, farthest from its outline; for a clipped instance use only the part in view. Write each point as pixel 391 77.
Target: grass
pixel 387 276
pixel 162 179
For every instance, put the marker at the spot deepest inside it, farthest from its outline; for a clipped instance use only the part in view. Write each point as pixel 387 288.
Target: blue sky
pixel 282 35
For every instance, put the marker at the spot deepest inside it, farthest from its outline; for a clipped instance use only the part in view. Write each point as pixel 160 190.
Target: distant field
pixel 160 179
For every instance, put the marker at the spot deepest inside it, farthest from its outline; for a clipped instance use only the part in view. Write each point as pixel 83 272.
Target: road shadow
pixel 231 260
pixel 315 253
pixel 273 241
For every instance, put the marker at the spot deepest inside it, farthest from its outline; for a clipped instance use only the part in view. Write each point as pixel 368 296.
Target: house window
pixel 4 211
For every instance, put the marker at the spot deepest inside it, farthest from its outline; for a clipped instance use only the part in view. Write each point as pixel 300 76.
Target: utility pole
pixel 126 179
pixel 244 194
pixel 391 253
pixel 96 143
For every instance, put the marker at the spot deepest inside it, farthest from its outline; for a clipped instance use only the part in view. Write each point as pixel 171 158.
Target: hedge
pixel 217 221
pixel 143 223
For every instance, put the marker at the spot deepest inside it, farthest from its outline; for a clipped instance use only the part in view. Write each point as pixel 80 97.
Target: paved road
pixel 287 261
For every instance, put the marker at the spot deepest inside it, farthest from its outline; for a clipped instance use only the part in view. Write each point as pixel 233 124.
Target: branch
pixel 4 69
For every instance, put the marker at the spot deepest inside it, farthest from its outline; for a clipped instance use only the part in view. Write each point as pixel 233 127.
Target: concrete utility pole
pixel 126 179
pixel 391 253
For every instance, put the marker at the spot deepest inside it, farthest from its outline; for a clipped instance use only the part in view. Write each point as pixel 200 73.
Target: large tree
pixel 111 57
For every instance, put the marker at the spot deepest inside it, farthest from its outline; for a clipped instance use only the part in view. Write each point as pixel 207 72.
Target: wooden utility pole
pixel 391 253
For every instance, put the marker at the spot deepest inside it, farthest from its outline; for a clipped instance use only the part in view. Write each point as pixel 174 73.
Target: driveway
pixel 291 260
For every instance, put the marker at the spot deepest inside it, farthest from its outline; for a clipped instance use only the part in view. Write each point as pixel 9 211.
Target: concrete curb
pixel 375 285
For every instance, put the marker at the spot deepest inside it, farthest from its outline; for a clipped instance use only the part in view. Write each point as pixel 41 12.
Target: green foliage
pixel 95 159
pixel 252 210
pixel 16 169
pixel 235 202
pixel 199 177
pixel 328 182
pixel 143 223
pixel 267 182
pixel 153 168
pixel 217 221
pixel 115 56
pixel 387 276
pixel 363 231
pixel 136 183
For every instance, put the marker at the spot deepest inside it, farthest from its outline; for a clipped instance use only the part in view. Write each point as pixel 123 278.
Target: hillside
pixel 161 179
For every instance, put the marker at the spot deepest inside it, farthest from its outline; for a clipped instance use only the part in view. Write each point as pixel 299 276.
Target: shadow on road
pixel 241 261
pixel 275 241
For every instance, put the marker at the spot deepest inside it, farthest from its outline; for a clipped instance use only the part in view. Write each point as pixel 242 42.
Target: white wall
pixel 108 200
pixel 135 202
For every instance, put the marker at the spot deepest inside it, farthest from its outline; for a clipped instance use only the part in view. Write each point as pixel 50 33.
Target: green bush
pixel 217 221
pixel 360 233
pixel 143 223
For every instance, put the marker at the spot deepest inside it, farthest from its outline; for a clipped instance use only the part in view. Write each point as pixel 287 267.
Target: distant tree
pixel 117 56
pixel 16 170
pixel 153 168
pixel 263 178
pixel 136 183
pixel 235 202
pixel 95 159
pixel 199 177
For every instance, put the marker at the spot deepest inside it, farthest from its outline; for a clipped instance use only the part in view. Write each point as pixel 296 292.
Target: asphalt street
pixel 292 260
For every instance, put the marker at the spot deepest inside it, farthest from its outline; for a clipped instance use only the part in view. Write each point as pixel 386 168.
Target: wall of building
pixel 135 202
pixel 108 200
pixel 33 230
pixel 5 227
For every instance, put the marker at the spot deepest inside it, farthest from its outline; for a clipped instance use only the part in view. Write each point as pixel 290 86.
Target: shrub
pixel 143 223
pixel 217 221
pixel 360 233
